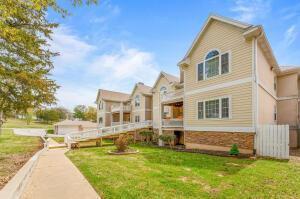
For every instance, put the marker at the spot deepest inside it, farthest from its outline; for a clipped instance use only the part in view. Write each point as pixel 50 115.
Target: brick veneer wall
pixel 224 139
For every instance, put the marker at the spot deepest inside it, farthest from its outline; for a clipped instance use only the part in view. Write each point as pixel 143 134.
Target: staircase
pixel 104 132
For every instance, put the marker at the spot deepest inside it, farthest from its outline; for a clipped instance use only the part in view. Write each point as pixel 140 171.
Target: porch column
pixel 160 143
pixel 121 113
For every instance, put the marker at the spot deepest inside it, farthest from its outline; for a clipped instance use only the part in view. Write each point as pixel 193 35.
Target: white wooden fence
pixel 273 141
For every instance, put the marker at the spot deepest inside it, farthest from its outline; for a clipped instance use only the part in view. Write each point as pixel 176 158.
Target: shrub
pixel 50 131
pixel 147 134
pixel 167 138
pixel 234 150
pixel 122 142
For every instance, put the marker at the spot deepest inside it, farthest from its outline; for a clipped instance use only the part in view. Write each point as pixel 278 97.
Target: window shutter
pixel 200 71
pixel 200 110
pixel 225 107
pixel 225 63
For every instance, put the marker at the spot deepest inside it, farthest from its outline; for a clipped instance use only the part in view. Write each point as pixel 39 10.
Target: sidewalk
pixel 55 177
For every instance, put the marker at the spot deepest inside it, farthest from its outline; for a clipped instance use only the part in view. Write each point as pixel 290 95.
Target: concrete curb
pixel 15 187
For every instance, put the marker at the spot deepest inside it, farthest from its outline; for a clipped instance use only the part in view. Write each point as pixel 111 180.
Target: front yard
pixel 162 173
pixel 21 123
pixel 14 153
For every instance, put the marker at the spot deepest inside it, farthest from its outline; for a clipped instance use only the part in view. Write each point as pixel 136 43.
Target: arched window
pixel 214 64
pixel 163 90
pixel 137 101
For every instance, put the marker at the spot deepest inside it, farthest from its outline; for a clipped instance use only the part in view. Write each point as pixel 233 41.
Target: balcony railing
pixel 119 123
pixel 173 96
pixel 126 108
pixel 172 122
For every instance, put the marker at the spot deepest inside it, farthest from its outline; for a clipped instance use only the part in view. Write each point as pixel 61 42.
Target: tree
pixel 147 134
pixel 25 56
pixel 91 114
pixel 29 116
pixel 168 138
pixel 62 112
pixel 234 150
pixel 79 112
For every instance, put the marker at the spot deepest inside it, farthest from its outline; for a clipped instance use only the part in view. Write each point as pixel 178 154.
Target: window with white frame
pixel 275 83
pixel 215 108
pixel 163 90
pixel 137 101
pixel 100 105
pixel 275 113
pixel 137 118
pixel 214 64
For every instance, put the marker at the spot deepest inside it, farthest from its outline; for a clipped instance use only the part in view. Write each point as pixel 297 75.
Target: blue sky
pixel 116 43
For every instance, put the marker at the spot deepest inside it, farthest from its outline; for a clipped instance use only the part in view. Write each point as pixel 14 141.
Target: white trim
pixel 220 129
pixel 213 17
pixel 288 98
pixel 219 86
pixel 219 67
pixel 141 110
pixel 220 108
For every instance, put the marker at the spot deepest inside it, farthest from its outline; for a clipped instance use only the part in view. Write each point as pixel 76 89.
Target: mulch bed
pixel 11 164
pixel 208 152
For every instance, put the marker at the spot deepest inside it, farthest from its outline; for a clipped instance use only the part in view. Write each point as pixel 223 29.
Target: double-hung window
pixel 137 101
pixel 215 108
pixel 214 64
pixel 137 118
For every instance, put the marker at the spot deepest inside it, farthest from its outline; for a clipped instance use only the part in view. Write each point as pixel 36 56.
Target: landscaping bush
pixel 168 138
pixel 148 135
pixel 234 150
pixel 50 131
pixel 122 142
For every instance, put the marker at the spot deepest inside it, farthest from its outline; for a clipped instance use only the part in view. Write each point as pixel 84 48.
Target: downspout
pixel 256 86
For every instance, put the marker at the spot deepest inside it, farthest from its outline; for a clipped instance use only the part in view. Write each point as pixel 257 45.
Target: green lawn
pixel 162 173
pixel 14 153
pixel 19 123
pixel 59 140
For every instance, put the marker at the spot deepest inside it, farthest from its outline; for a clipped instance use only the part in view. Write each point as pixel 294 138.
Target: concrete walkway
pixel 55 177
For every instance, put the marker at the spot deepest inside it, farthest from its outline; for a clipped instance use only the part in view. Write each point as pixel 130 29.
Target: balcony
pixel 126 108
pixel 175 96
pixel 172 123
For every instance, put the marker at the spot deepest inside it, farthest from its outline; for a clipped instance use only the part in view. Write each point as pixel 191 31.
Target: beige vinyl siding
pixel 226 38
pixel 266 107
pixel 287 85
pixel 266 91
pixel 265 74
pixel 145 106
pixel 156 100
pixel 241 107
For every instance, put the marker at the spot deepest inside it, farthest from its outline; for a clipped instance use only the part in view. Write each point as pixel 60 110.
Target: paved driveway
pixel 30 132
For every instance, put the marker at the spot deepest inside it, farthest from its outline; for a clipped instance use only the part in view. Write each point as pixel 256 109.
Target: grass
pixel 162 173
pixel 59 140
pixel 19 123
pixel 14 153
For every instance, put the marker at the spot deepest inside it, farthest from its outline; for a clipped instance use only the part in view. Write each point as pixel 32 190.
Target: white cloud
pixel 247 11
pixel 127 64
pixel 73 51
pixel 82 68
pixel 290 35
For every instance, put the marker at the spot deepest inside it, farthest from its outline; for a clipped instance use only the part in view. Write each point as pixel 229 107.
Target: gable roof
pixel 144 89
pixel 250 32
pixel 170 78
pixel 76 123
pixel 112 96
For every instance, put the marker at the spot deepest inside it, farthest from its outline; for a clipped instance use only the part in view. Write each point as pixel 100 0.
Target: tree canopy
pixel 25 55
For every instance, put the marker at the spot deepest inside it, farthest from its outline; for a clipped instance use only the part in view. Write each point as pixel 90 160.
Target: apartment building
pixel 113 108
pixel 141 98
pixel 229 84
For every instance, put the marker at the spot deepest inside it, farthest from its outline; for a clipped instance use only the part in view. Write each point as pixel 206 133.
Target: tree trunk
pixel 1 121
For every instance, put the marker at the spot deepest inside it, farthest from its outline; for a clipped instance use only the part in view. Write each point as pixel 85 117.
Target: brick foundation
pixel 219 140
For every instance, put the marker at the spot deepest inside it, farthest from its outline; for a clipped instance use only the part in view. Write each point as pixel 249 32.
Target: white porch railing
pixel 106 131
pixel 172 122
pixel 126 108
pixel 175 95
